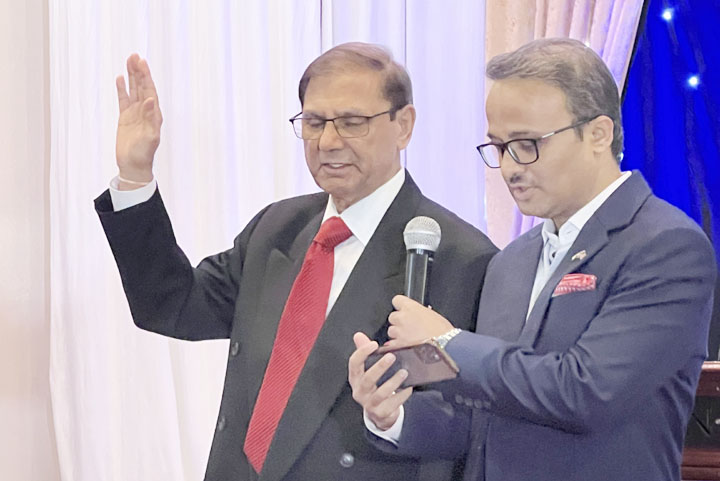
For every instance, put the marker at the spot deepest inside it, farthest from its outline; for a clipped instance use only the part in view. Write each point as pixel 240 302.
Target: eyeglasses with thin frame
pixel 522 151
pixel 347 126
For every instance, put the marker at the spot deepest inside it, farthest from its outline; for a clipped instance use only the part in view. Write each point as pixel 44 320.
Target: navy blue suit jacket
pixel 595 385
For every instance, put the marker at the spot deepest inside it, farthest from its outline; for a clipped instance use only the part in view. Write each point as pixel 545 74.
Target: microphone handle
pixel 417 271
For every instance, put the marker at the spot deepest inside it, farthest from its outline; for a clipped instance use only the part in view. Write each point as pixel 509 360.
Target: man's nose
pixel 509 166
pixel 329 138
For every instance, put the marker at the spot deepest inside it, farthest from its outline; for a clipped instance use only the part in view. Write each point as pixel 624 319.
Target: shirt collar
pixel 572 227
pixel 363 217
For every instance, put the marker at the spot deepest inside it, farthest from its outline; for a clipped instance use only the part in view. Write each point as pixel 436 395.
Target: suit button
pixel 459 399
pixel 478 404
pixel 347 460
pixel 468 402
pixel 221 423
pixel 234 348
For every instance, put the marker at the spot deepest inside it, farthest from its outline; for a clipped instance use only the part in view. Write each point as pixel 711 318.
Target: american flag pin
pixel 579 256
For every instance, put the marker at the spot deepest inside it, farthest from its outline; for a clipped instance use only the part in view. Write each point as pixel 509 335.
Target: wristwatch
pixel 442 340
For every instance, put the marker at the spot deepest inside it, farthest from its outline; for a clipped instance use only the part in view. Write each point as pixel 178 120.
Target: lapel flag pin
pixel 579 256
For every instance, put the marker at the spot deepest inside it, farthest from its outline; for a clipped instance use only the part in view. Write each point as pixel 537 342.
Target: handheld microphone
pixel 422 237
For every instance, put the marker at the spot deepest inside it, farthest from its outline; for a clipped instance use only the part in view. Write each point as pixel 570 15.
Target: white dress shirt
pixel 555 246
pixel 362 218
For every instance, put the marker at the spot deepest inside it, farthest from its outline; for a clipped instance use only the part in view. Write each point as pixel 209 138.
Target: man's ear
pixel 601 134
pixel 405 118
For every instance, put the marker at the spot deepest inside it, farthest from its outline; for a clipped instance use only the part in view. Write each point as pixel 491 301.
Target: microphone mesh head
pixel 422 233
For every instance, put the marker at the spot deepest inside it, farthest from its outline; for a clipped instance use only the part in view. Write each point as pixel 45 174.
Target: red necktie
pixel 299 326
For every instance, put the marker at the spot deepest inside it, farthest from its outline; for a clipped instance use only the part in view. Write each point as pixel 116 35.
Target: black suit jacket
pixel 240 294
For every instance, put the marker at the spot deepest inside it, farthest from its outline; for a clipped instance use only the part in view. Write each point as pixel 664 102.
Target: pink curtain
pixel 607 26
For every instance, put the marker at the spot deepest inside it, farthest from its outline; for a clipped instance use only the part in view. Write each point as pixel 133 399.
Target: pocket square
pixel 575 283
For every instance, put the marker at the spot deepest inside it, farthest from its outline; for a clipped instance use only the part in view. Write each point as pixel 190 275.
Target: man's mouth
pixel 335 165
pixel 519 190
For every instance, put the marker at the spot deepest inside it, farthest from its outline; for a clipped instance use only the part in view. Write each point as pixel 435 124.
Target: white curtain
pixel 131 405
pixel 27 440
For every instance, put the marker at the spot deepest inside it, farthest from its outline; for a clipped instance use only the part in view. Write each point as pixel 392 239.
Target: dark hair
pixel 575 69
pixel 397 88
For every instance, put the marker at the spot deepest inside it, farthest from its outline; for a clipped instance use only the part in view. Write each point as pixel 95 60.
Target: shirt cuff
pixel 392 434
pixel 122 199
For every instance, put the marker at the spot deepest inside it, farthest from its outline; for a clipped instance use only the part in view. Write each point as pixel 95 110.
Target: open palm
pixel 138 132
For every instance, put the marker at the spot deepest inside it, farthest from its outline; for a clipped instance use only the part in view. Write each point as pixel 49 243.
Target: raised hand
pixel 138 132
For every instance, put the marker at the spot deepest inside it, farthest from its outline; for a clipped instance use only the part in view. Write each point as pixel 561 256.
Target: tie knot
pixel 332 232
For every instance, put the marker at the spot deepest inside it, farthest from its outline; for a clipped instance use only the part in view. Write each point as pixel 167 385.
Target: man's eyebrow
pixel 311 114
pixel 522 134
pixel 350 113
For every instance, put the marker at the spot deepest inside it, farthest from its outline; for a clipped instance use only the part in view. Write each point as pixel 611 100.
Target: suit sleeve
pixel 165 293
pixel 432 429
pixel 652 325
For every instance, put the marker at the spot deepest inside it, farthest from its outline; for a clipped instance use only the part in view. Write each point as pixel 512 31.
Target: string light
pixel 693 81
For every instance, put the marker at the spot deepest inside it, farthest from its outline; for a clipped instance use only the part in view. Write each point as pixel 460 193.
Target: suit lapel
pixel 363 305
pixel 617 212
pixel 519 268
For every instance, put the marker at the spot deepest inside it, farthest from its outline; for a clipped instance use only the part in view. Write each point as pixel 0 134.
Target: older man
pixel 592 327
pixel 304 274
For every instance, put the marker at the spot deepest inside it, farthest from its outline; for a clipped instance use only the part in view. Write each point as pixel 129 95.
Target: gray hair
pixel 575 69
pixel 397 88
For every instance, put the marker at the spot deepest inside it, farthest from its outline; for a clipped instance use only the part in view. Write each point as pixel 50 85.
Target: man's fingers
pixel 123 100
pixel 368 381
pixel 386 400
pixel 132 77
pixel 369 395
pixel 393 332
pixel 391 343
pixel 397 301
pixel 391 385
pixel 356 363
pixel 396 400
pixel 360 339
pixel 400 302
pixel 364 383
pixel 146 85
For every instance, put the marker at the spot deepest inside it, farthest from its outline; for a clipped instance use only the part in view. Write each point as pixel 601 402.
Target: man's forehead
pixel 524 91
pixel 524 108
pixel 344 93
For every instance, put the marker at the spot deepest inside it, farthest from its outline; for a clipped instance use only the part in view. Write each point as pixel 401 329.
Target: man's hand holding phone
pixel 381 403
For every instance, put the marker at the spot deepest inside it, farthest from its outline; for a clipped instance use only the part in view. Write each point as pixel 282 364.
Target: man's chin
pixel 336 188
pixel 526 208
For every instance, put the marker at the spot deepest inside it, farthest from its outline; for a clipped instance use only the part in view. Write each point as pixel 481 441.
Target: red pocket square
pixel 575 283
